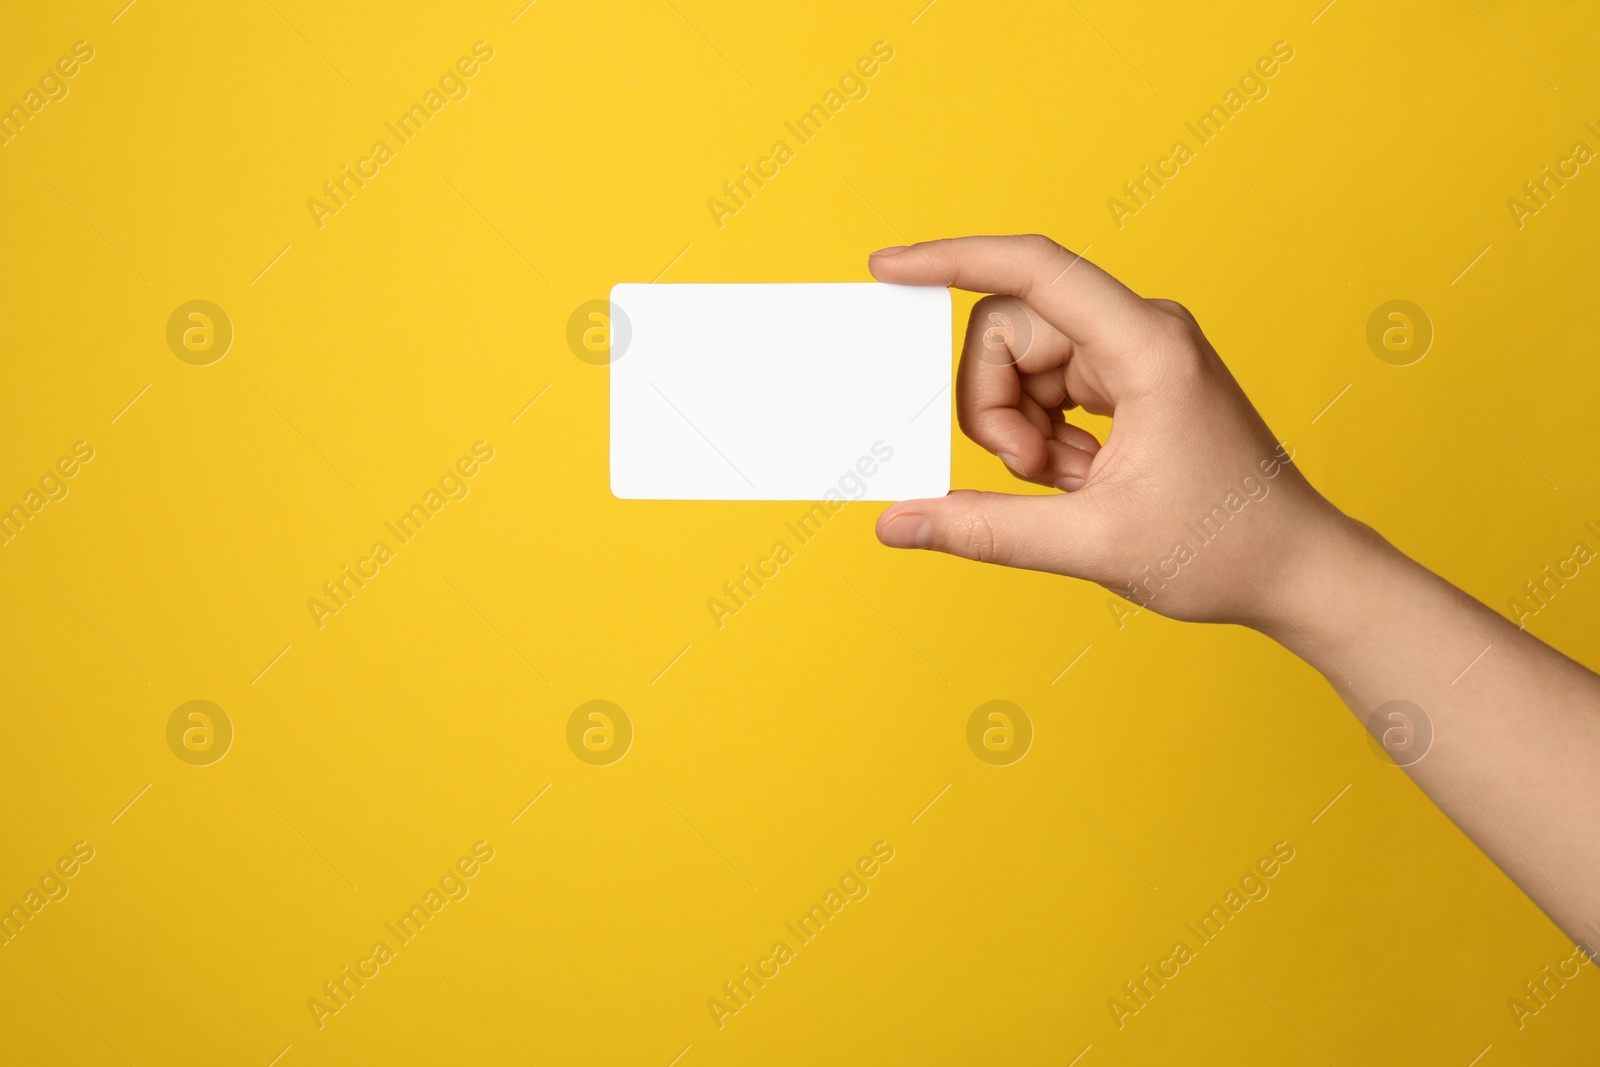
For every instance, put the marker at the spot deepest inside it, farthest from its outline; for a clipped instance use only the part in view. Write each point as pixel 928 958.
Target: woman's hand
pixel 1190 507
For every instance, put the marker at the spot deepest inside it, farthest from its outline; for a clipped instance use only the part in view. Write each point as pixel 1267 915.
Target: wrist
pixel 1328 592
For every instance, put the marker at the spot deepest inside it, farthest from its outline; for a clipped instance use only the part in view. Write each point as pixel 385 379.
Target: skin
pixel 1515 753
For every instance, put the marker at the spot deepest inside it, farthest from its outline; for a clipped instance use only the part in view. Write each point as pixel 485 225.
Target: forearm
pixel 1191 508
pixel 1515 753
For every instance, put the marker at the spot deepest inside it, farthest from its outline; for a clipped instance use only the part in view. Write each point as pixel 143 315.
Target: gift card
pixel 780 392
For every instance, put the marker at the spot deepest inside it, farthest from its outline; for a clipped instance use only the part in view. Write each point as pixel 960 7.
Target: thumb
pixel 1042 533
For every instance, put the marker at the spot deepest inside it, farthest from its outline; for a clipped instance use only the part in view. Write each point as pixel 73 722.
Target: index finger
pixel 1068 291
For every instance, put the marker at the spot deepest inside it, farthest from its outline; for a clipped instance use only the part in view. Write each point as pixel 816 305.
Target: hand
pixel 1190 507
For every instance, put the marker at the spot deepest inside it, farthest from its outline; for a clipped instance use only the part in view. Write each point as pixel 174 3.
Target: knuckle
pixel 1176 311
pixel 974 537
pixel 1178 330
pixel 1041 245
pixel 1045 251
pixel 1179 350
pixel 1047 258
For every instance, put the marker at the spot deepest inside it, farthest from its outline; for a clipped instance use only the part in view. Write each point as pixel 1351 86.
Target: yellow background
pixel 827 714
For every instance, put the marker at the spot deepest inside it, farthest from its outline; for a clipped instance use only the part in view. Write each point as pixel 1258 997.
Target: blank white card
pixel 780 392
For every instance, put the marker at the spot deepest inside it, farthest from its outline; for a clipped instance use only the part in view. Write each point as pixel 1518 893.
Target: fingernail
pixel 1011 461
pixel 891 250
pixel 907 531
pixel 1070 483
